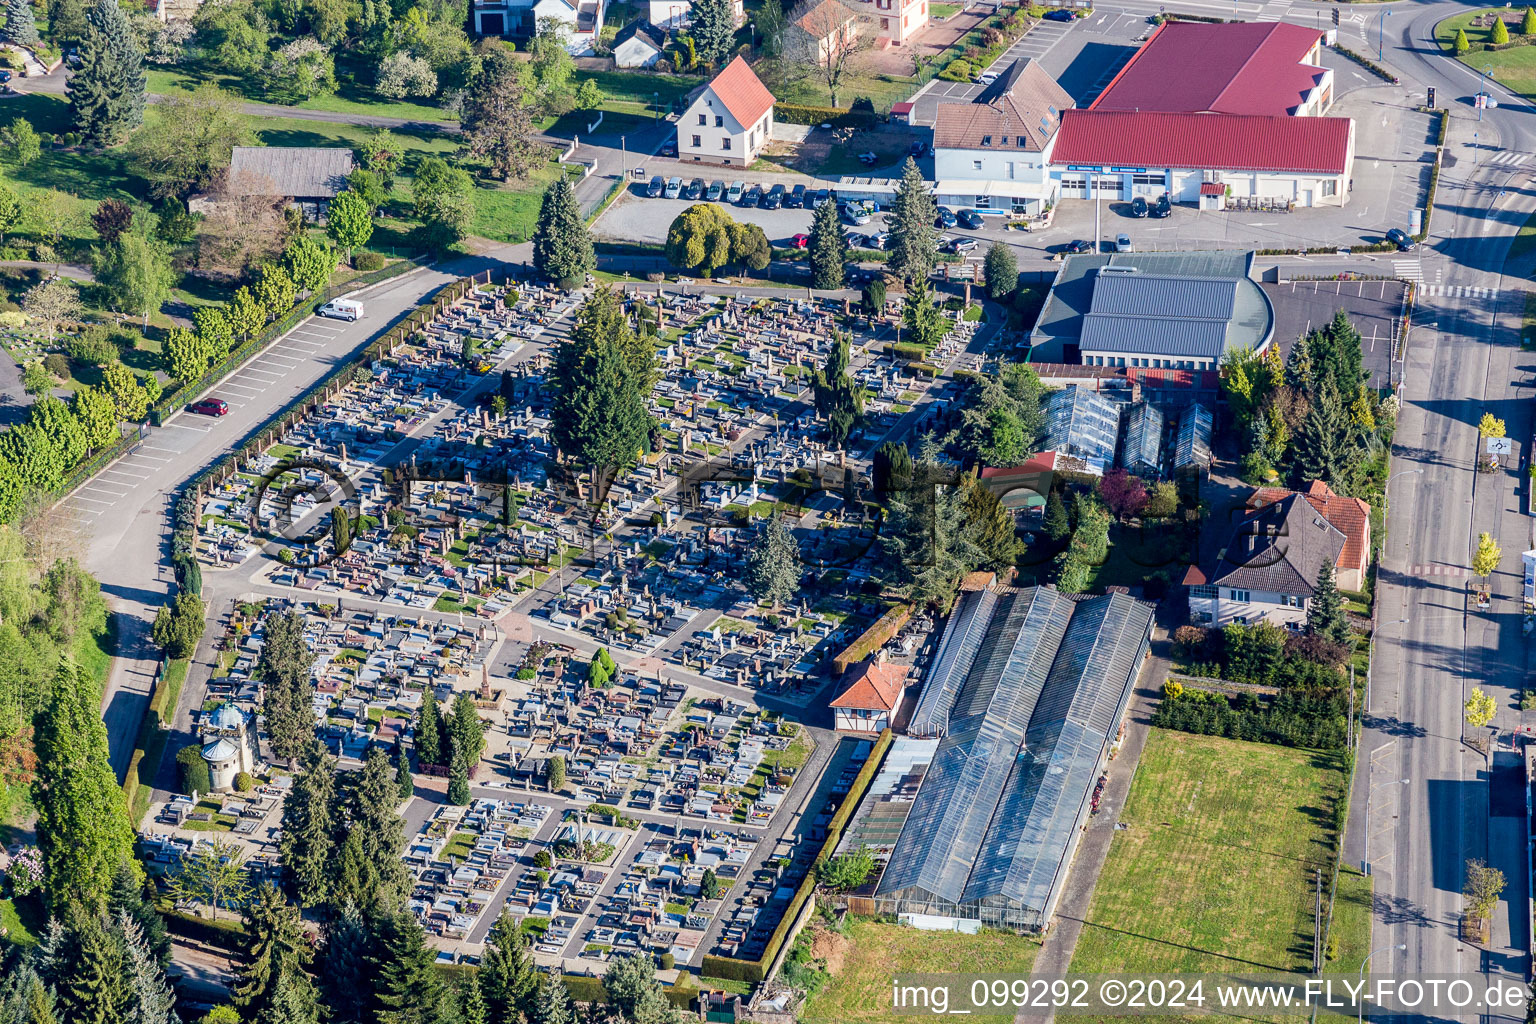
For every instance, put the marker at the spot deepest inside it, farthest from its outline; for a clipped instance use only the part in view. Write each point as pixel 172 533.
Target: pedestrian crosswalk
pixel 1437 569
pixel 1460 291
pixel 1408 270
pixel 1508 159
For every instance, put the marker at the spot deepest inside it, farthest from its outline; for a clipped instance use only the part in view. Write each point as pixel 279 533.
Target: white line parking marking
pixel 265 373
pixel 185 426
pixel 243 387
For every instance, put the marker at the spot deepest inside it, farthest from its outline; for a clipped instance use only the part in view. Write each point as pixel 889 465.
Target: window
pixel 1330 187
pixel 885 24
pixel 697 142
pixel 975 165
pixel 1023 142
pixel 1291 600
pixel 704 119
pixel 1239 595
pixel 1149 179
pixel 1201 590
pixel 986 140
pixel 983 202
pixel 719 121
pixel 725 143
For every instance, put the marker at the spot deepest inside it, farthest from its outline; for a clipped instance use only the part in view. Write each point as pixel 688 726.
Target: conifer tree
pixel 911 224
pixel 1325 613
pixel 276 950
pixel 287 688
pixel 508 979
pixel 127 897
pixel 375 819
pixel 344 968
pixel 458 781
pixel 308 825
pixel 553 1005
pixel 429 732
pixel 562 247
pixel 107 90
pixel 20 23
pixel 149 996
pixel 406 985
pixel 773 565
pixel 827 249
pixel 713 30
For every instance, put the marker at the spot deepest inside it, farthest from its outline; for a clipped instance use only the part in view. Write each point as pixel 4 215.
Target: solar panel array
pixel 991 828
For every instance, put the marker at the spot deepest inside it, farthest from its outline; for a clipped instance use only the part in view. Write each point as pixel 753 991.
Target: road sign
pixel 1500 446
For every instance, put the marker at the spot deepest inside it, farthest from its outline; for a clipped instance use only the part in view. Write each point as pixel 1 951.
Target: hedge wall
pixel 757 970
pixel 873 638
pixel 838 117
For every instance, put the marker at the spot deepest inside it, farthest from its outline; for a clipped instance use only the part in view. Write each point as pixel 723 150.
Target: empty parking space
pixel 1374 307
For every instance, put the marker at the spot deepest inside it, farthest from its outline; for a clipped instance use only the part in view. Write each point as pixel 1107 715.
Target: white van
pixel 342 309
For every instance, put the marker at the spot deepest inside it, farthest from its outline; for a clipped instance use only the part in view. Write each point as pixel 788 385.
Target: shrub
pixel 195 777
pixel 93 346
pixel 57 363
pixel 244 782
pixel 367 261
pixel 956 71
pixel 795 113
pixel 667 961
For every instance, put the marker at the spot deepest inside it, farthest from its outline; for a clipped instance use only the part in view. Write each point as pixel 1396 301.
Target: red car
pixel 801 241
pixel 209 407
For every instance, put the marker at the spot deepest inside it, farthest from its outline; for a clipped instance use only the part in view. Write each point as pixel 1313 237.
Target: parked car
pixel 822 195
pixel 969 219
pixel 879 240
pixel 716 190
pixel 1077 247
pixel 209 407
pixel 987 77
pixel 1399 238
pixel 796 198
pixel 1123 243
pixel 963 245
pixel 674 188
pixel 918 149
pixel 656 187
pixel 751 195
pixel 734 193
pixel 5 76
pixel 800 241
pixel 945 218
pixel 1059 14
pixel 856 240
pixel 1162 207
pixel 349 310
pixel 670 148
pixel 1139 207
pixel 774 199
pixel 695 189
pixel 856 213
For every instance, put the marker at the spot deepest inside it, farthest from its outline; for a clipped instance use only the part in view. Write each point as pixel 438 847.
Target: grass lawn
pixel 445 603
pixel 940 11
pixel 1351 920
pixel 1524 243
pixel 793 756
pixel 461 845
pixel 1215 870
pixel 1514 68
pixel 860 988
pixel 347 100
pixel 21 922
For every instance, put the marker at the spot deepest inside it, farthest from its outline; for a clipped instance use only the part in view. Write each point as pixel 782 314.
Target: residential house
pixel 728 121
pixel 1268 571
pixel 638 45
pixel 308 177
pixel 520 19
pixel 822 30
pixel 1350 516
pixel 871 694
pixel 991 153
pixel 898 21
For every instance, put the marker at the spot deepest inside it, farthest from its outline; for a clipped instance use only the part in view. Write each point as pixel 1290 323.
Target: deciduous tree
pixel 349 222
pixel 52 303
pixel 214 875
pixel 1002 270
pixel 495 117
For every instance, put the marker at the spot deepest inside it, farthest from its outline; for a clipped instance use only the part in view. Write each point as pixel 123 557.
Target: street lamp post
pixel 1365 863
pixel 656 100
pixel 1360 1004
pixel 1381 32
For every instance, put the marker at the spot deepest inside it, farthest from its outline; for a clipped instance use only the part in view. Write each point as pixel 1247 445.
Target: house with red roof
pixel 1350 516
pixel 871 693
pixel 728 121
pixel 1211 113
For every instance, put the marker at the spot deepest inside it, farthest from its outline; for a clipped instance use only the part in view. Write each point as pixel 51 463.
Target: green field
pixel 860 988
pixel 1215 871
pixel 346 100
pixel 1514 68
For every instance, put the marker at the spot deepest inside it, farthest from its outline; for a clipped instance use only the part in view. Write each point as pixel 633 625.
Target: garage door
pixel 1074 186
pixel 1109 187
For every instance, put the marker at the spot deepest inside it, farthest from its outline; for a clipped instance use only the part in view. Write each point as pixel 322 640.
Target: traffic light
pixel 1431 97
pixel 1335 17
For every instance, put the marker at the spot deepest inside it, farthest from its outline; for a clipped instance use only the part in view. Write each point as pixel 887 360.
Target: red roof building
pixel 871 694
pixel 1350 516
pixel 1262 68
pixel 1226 142
pixel 727 121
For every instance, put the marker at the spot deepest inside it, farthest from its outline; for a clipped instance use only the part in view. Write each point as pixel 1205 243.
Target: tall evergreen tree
pixel 375 819
pixel 429 731
pixel 601 386
pixel 472 1009
pixel 292 1002
pixel 827 249
pixel 406 985
pixel 1326 446
pixel 713 30
pixel 107 90
pixel 309 824
pixel 149 998
pixel 562 246
pixel 24 998
pixel 287 688
pixel 84 964
pixel 127 897
pixel 508 979
pixel 403 778
pixel 911 224
pixel 458 781
pixel 633 989
pixel 1325 613
pixel 553 1005
pixel 344 969
pixel 839 397
pixel 83 831
pixel 773 566
pixel 276 950
pixel 467 728
pixel 20 23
